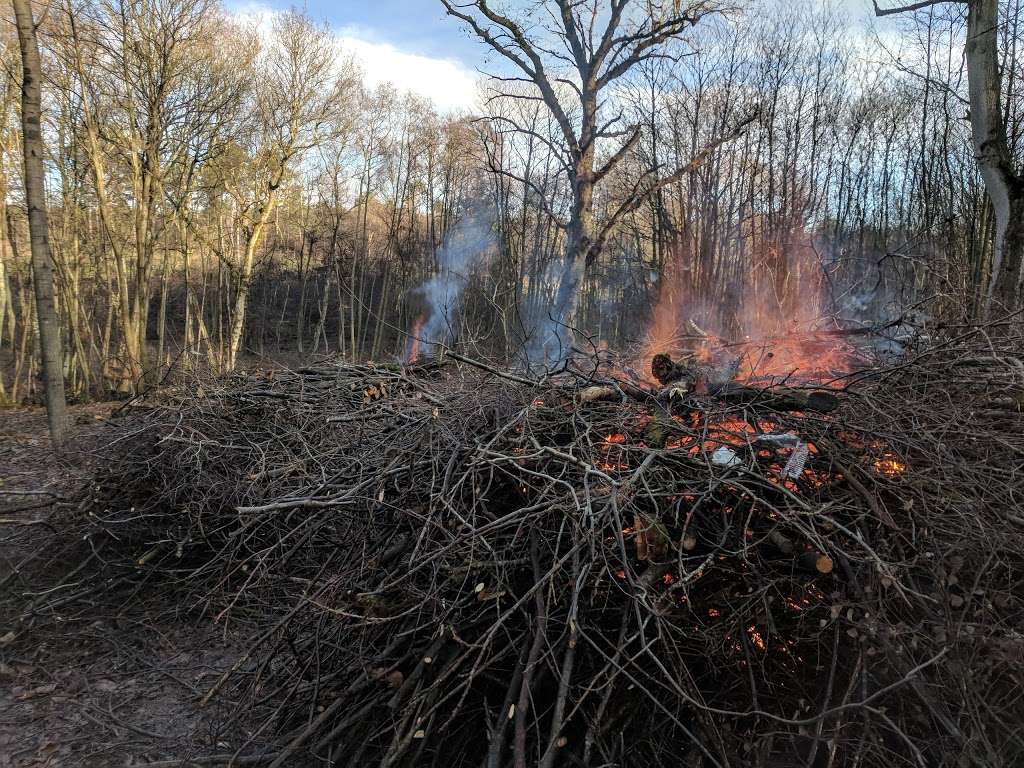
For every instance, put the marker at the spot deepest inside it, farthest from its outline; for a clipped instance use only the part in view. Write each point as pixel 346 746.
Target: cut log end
pixel 818 562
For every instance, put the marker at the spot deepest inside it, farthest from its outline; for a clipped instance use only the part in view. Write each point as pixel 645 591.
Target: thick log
pixel 680 378
pixel 598 394
pixel 776 398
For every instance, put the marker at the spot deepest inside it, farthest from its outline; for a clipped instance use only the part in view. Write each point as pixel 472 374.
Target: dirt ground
pixel 110 683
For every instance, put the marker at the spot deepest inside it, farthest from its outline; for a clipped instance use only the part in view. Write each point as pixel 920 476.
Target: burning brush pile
pixel 450 564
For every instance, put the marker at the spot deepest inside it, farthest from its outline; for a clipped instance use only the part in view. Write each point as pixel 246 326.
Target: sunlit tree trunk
pixel 245 280
pixel 35 198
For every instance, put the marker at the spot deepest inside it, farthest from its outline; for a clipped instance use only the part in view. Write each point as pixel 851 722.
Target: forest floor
pixel 119 687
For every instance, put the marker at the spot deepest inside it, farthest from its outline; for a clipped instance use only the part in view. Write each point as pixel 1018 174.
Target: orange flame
pixel 666 332
pixel 774 325
pixel 612 453
pixel 802 356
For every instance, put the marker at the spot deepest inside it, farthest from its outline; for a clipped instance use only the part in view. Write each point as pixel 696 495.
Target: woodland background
pixel 222 192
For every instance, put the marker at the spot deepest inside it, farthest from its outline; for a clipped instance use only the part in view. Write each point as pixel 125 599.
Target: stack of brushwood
pixel 449 564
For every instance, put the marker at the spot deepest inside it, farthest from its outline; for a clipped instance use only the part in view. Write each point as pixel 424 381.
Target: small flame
pixel 614 459
pixel 798 605
pixel 413 352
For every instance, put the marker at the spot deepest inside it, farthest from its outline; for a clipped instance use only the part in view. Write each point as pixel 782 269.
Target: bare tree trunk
pixel 378 336
pixel 1005 188
pixel 342 337
pixel 7 319
pixel 35 197
pixel 304 266
pixel 325 298
pixel 186 340
pixel 161 328
pixel 6 309
pixel 23 355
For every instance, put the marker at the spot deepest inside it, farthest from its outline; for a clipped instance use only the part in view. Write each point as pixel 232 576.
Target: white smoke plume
pixel 467 245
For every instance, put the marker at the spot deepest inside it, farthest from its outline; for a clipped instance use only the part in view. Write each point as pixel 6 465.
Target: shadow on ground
pixel 91 682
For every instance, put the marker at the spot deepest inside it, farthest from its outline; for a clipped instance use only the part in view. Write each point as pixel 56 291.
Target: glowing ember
pixel 726 431
pixel 613 453
pixel 735 428
pixel 889 464
pixel 756 638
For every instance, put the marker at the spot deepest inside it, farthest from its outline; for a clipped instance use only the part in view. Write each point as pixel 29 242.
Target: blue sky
pixel 413 45
pixel 418 26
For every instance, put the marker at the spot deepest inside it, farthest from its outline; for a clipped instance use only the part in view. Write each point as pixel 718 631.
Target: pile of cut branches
pixel 448 565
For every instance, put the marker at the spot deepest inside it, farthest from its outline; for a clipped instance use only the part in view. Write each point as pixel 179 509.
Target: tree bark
pixel 35 198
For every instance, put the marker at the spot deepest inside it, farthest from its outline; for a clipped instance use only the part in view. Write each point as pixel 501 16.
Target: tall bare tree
pixel 571 62
pixel 35 201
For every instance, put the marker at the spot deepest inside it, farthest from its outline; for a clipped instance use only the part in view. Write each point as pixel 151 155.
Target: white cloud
pixel 449 84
